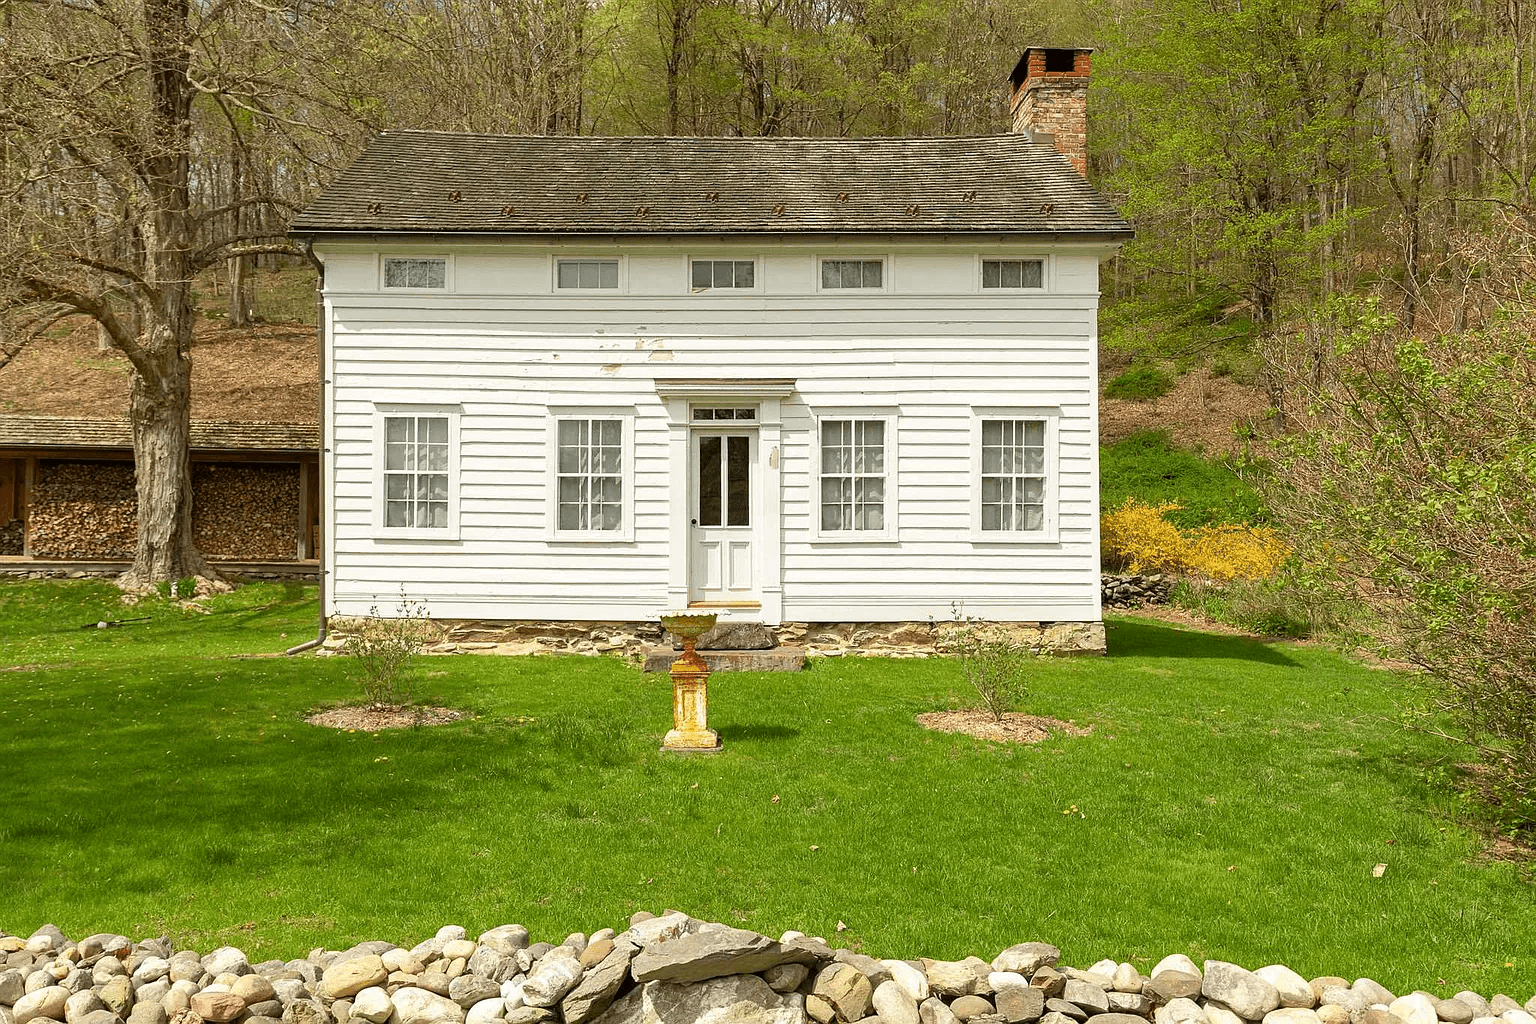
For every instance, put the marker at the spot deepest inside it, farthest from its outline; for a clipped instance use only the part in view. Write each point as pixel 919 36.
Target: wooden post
pixel 24 502
pixel 7 490
pixel 306 512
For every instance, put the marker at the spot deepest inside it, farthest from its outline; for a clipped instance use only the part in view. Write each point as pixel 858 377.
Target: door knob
pixel 693 522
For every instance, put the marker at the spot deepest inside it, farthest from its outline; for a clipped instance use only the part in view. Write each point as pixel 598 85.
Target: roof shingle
pixel 439 182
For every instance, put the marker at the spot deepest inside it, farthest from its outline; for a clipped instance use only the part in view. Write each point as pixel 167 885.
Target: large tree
pixel 105 106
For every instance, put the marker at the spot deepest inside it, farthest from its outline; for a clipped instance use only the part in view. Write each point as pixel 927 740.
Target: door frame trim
pixel 767 509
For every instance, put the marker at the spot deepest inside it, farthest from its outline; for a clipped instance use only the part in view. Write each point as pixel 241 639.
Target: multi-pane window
pixel 1013 476
pixel 415 272
pixel 1012 273
pixel 853 475
pixel 723 274
pixel 707 414
pixel 416 472
pixel 852 273
pixel 589 475
pixel 587 273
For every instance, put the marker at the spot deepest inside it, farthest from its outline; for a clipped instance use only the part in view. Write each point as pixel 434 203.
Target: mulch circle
pixel 374 717
pixel 1014 728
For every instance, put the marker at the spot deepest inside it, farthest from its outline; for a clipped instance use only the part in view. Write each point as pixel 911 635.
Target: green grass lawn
pixel 1230 802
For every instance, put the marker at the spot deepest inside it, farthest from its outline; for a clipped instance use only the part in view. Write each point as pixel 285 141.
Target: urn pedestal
pixel 690 687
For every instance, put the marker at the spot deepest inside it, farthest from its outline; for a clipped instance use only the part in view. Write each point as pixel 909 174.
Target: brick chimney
pixel 1050 100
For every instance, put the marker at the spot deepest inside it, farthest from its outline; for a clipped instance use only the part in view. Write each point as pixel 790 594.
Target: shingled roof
pixel 446 183
pixel 47 432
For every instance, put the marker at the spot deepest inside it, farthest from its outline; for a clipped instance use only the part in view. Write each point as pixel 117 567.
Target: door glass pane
pixel 709 481
pixel 738 481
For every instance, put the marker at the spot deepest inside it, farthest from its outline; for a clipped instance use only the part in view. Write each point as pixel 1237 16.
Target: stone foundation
pixel 826 639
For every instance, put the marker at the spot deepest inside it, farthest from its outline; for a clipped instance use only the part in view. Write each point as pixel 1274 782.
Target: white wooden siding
pixel 504 346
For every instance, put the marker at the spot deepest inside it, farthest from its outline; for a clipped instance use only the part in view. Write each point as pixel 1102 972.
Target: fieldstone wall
pixel 673 969
pixel 829 639
pixel 1130 590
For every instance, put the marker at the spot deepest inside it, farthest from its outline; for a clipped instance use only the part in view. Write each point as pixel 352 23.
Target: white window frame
pixel 887 272
pixel 447 258
pixel 889 532
pixel 626 531
pixel 453 414
pixel 1051 534
pixel 554 274
pixel 1045 273
pixel 757 274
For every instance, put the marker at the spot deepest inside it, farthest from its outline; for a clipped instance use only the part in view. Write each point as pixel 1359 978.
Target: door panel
pixel 722 472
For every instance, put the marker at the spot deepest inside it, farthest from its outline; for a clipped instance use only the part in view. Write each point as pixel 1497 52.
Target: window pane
pixel 1032 491
pixel 608 460
pixel 437 275
pixel 398 428
pixel 570 516
pixel 873 273
pixel 989 273
pixel 870 517
pixel 1034 460
pixel 434 429
pixel 1034 517
pixel 991 517
pixel 610 518
pixel 395 274
pixel 569 274
pixel 397 456
pixel 397 486
pixel 437 458
pixel 745 272
pixel 1012 274
pixel 832 518
pixel 704 414
pixel 437 487
pixel 709 481
pixel 835 489
pixel 1034 274
pixel 609 432
pixel 609 274
pixel 701 274
pixel 1034 432
pixel 851 274
pixel 587 275
pixel 830 274
pixel 738 481
pixel 396 513
pixel 992 432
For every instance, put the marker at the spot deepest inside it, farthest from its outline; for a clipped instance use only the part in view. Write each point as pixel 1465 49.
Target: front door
pixel 722 567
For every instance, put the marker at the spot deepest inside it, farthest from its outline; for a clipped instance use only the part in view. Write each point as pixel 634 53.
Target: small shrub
pixel 384 649
pixel 996 666
pixel 1138 537
pixel 1141 383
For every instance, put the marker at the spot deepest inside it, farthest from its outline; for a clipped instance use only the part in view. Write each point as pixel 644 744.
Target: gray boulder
pixel 1243 992
pixel 598 987
pixel 715 954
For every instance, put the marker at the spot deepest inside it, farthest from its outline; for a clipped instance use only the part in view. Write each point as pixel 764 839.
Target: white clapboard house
pixel 791 380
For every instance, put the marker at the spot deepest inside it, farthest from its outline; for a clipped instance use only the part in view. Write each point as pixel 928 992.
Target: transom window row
pixel 420 272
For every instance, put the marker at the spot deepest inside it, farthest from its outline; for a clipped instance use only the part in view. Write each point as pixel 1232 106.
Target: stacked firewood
pixel 84 510
pixel 246 511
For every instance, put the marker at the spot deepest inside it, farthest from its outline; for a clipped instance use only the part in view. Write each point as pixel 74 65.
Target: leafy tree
pixel 1411 490
pixel 105 106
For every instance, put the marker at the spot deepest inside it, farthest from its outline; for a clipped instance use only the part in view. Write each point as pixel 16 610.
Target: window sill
pixel 1014 539
pixel 416 534
pixel 612 537
pixel 840 539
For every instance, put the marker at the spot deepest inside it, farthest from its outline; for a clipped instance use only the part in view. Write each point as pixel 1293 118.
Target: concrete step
pixel 777 659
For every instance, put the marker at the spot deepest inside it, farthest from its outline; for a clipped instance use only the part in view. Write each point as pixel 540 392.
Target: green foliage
pixel 1149 467
pixel 1279 607
pixel 1413 490
pixel 1142 382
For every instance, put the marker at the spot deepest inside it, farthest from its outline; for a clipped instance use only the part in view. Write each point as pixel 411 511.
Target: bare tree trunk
pixel 159 414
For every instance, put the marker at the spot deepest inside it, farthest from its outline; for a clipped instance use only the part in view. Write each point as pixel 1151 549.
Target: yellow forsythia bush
pixel 1136 538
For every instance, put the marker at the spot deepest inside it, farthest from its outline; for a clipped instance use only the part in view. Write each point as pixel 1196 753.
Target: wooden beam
pixel 306 512
pixel 28 482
